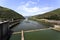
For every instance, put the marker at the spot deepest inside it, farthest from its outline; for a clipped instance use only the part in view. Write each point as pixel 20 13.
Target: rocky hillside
pixel 6 13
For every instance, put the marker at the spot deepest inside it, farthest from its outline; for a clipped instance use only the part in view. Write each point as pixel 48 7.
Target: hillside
pixel 6 13
pixel 52 15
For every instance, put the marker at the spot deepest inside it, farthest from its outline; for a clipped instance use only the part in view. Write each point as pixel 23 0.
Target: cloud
pixel 32 10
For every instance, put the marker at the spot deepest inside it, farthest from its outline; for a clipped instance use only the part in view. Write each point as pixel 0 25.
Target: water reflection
pixel 28 25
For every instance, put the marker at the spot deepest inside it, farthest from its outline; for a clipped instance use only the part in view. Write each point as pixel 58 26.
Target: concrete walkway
pixel 37 30
pixel 31 30
pixel 22 35
pixel 16 32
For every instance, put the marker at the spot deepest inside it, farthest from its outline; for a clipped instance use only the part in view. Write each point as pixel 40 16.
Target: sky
pixel 31 7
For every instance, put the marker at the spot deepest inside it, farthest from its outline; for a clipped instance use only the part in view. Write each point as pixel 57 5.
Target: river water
pixel 28 25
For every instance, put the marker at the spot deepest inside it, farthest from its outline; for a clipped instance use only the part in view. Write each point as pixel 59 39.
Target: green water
pixel 15 37
pixel 43 35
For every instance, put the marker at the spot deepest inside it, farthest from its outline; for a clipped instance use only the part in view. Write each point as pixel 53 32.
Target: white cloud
pixel 32 10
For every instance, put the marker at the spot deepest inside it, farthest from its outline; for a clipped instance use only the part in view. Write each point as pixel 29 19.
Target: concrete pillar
pixel 4 26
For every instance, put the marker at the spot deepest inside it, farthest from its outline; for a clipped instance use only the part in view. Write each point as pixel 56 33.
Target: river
pixel 28 25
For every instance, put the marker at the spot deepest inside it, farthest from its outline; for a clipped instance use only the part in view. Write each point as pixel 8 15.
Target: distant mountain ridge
pixel 52 15
pixel 6 13
pixel 26 16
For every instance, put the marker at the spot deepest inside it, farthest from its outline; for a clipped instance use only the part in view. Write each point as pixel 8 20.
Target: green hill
pixel 52 15
pixel 6 13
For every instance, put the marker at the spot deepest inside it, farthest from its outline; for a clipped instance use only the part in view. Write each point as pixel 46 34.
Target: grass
pixel 15 37
pixel 48 34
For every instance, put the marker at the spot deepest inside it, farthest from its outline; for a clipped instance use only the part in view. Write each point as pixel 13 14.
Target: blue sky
pixel 31 7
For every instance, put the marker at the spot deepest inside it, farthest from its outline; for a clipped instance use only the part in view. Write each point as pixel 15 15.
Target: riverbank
pixel 46 21
pixel 43 21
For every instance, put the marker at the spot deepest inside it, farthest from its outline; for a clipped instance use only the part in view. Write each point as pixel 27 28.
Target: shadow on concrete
pixel 8 35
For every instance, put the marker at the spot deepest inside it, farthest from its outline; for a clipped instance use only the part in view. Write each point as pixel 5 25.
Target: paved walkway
pixel 22 35
pixel 16 32
pixel 31 30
